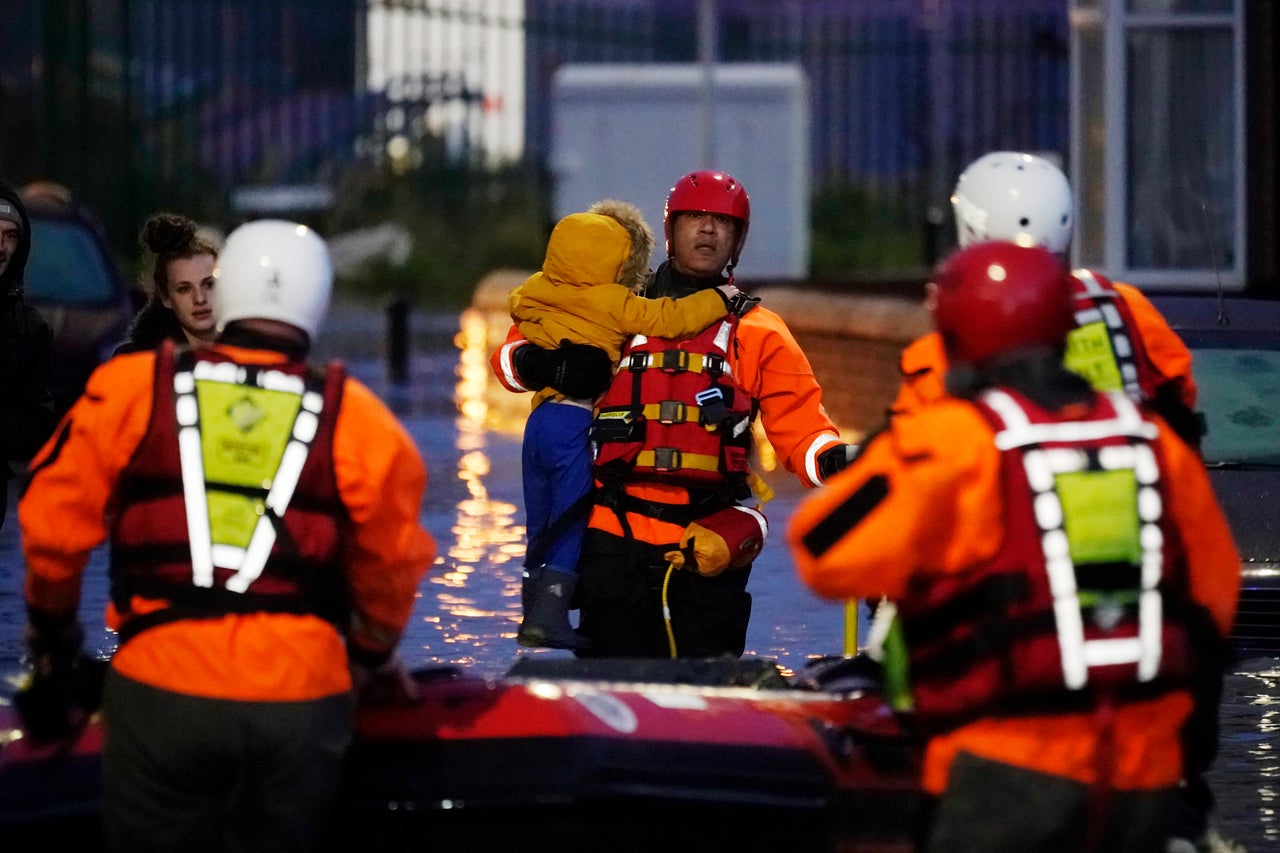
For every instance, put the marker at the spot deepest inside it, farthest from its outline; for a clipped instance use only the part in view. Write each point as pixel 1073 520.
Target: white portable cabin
pixel 630 131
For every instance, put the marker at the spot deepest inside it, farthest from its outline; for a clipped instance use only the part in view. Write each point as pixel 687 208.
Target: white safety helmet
pixel 1014 196
pixel 274 270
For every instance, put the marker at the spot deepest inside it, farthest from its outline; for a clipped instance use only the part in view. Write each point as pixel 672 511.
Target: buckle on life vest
pixel 711 405
pixel 672 412
pixel 673 361
pixel 666 459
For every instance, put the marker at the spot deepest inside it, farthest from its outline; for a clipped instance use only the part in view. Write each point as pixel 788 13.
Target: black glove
pixel 580 371
pixel 835 459
pixel 64 687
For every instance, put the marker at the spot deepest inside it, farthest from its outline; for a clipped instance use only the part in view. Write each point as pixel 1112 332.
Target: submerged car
pixel 1235 346
pixel 75 282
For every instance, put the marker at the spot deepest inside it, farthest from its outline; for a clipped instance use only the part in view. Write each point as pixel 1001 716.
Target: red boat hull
pixel 579 754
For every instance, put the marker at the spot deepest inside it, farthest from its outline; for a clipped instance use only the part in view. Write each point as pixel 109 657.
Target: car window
pixel 1239 393
pixel 67 266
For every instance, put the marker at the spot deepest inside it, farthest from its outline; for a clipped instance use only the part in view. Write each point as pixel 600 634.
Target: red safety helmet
pixel 709 192
pixel 998 297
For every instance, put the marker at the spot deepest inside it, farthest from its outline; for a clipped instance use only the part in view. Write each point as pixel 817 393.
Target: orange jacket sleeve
pixel 382 480
pixel 924 494
pixel 64 511
pixel 1168 354
pixel 773 369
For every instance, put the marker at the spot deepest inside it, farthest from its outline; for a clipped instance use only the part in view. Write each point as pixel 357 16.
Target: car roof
pixel 1228 314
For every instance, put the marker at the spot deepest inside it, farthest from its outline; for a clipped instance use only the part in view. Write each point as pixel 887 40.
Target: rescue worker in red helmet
pixel 676 524
pixel 1121 342
pixel 1058 561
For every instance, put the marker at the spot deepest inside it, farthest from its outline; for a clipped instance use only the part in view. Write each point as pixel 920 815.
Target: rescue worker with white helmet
pixel 1058 561
pixel 676 525
pixel 1122 343
pixel 266 549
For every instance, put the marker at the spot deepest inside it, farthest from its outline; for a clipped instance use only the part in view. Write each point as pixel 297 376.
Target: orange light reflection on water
pixel 488 543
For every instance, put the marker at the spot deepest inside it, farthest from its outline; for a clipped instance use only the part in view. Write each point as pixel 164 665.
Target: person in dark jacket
pixel 26 348
pixel 180 286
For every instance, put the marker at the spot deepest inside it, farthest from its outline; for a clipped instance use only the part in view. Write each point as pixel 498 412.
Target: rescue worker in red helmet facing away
pixel 1058 562
pixel 1120 343
pixel 675 524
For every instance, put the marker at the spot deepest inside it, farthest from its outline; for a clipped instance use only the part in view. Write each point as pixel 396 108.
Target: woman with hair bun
pixel 179 304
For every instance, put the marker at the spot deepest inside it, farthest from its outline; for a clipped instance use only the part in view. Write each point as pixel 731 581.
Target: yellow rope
pixel 666 609
pixel 851 628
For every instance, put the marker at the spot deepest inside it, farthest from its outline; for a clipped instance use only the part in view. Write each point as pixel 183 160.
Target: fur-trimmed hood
pixel 635 269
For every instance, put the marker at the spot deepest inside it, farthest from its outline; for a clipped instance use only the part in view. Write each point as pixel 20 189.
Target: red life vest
pixel 153 554
pixel 675 413
pixel 1088 595
pixel 1106 347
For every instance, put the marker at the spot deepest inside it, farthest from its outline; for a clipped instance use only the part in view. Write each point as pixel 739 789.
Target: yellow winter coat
pixel 577 295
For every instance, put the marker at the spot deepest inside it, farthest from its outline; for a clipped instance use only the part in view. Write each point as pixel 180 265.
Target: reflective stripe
pixel 722 340
pixel 205 555
pixel 820 443
pixel 505 361
pixel 188 415
pixel 282 487
pixel 760 520
pixel 1043 466
pixel 693 362
pixel 1020 432
pixel 1101 307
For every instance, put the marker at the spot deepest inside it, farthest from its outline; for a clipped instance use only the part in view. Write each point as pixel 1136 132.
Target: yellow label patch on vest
pixel 1100 512
pixel 1090 355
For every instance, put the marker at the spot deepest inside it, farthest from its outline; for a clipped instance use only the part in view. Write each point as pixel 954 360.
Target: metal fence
pixel 141 104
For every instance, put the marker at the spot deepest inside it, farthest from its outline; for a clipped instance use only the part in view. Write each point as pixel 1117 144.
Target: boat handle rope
pixel 666 610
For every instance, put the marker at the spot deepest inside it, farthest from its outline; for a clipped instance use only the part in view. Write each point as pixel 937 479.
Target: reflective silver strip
pixel 881 622
pixel 760 520
pixel 722 341
pixel 282 486
pixel 1121 344
pixel 1041 466
pixel 231 373
pixel 1020 432
pixel 191 460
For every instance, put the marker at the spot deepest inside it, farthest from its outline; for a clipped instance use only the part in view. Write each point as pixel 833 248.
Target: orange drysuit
pixel 924 362
pixel 65 514
pixel 937 509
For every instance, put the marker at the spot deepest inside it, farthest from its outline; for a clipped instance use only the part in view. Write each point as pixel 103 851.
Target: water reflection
pixel 475 585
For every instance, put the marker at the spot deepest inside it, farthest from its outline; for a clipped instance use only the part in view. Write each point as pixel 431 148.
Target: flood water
pixel 468 610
